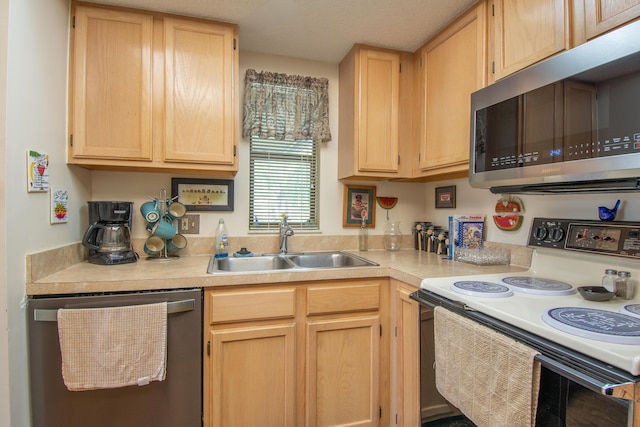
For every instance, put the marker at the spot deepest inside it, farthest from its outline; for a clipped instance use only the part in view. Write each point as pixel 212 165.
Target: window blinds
pixel 283 179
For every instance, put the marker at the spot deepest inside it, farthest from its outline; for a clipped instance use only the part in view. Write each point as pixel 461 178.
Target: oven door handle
pixel 622 390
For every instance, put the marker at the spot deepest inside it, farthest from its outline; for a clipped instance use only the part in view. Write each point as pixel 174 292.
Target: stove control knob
pixel 540 233
pixel 557 234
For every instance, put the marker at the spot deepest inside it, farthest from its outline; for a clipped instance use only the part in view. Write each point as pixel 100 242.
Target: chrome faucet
pixel 285 231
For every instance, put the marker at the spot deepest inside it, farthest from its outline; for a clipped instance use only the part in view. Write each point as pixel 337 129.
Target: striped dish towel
pixel 113 347
pixel 493 379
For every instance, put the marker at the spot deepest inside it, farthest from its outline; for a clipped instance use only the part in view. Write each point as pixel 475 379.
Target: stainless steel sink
pixel 249 264
pixel 299 261
pixel 329 260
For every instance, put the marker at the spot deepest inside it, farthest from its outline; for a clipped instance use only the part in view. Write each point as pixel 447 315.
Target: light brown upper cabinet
pixel 152 92
pixel 448 69
pixel 112 84
pixel 523 32
pixel 374 105
pixel 602 16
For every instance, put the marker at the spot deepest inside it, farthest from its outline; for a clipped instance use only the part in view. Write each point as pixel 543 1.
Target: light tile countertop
pixel 409 266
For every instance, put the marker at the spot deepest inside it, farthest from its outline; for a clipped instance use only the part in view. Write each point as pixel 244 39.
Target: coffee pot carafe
pixel 109 234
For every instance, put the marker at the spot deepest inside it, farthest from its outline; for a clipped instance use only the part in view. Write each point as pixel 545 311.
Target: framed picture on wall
pixel 359 202
pixel 446 197
pixel 203 194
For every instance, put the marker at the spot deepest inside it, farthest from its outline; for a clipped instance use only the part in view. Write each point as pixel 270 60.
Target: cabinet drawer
pixel 251 305
pixel 338 298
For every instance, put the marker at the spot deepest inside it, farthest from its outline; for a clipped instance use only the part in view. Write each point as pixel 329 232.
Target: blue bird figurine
pixel 607 214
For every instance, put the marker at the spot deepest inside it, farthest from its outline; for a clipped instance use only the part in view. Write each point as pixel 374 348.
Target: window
pixel 286 118
pixel 284 178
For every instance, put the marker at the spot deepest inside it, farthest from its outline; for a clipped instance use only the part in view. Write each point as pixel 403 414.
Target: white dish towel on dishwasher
pixel 493 379
pixel 113 347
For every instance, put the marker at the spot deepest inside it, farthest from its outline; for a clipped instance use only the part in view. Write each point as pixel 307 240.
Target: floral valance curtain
pixel 286 108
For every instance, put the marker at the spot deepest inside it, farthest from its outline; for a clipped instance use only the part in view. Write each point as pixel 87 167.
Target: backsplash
pixel 42 264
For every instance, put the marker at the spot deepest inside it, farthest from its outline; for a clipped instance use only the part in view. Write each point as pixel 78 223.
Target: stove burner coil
pixel 595 324
pixel 538 285
pixel 479 288
pixel 631 310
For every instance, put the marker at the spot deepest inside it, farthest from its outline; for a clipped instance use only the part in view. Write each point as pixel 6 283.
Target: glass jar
pixel 609 279
pixel 624 285
pixel 392 236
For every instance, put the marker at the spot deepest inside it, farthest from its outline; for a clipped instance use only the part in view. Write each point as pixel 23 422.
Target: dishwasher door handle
pixel 51 315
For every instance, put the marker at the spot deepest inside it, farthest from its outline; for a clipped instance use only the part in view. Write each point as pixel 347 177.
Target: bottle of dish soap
pixel 222 240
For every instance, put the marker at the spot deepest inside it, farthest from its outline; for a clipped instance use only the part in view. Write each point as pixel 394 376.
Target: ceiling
pixel 321 30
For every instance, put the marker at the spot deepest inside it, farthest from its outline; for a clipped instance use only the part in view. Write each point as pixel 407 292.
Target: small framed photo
pixel 446 197
pixel 203 194
pixel 359 202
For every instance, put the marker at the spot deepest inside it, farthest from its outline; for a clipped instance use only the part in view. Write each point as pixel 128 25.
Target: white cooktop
pixel 526 310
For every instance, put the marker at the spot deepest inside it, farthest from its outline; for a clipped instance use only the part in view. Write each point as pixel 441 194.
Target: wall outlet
pixel 189 224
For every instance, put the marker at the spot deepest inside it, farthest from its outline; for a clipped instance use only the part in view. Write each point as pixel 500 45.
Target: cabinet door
pixel 452 68
pixel 602 16
pixel 200 104
pixel 111 85
pixel 407 362
pixel 342 372
pixel 527 31
pixel 252 377
pixel 379 94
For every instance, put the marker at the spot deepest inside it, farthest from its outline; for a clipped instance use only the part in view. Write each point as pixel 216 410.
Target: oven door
pixel 572 386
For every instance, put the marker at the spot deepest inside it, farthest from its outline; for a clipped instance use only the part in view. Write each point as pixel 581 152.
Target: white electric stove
pixel 543 300
pixel 589 351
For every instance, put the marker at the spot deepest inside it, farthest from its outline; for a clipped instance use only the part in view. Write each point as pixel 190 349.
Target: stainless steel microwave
pixel 570 123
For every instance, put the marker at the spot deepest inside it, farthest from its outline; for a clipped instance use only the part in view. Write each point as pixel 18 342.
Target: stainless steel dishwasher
pixel 176 401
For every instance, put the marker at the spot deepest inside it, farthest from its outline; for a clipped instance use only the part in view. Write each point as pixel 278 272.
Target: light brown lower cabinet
pixel 343 372
pixel 415 398
pixel 296 354
pixel 253 376
pixel 406 360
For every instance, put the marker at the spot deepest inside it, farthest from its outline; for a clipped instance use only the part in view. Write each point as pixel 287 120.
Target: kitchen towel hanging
pixel 113 347
pixel 491 378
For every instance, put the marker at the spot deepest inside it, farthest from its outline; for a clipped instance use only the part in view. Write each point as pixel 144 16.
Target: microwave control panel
pixel 619 238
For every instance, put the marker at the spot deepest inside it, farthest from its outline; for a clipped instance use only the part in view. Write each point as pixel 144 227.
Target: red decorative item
pixel 509 211
pixel 387 203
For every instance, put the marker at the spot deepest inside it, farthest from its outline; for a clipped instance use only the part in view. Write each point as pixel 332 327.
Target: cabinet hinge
pixel 234 44
pixel 208 348
pixel 71 140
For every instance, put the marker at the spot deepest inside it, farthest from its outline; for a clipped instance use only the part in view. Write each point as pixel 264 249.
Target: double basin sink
pixel 297 261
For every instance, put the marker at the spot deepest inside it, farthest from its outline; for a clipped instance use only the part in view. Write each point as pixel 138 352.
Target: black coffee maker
pixel 109 234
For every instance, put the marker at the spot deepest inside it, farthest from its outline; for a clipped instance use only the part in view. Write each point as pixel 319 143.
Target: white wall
pixel 5 414
pixel 36 119
pixel 572 206
pixel 411 203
